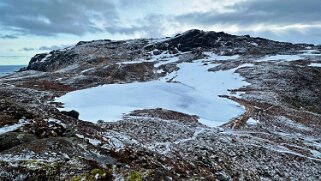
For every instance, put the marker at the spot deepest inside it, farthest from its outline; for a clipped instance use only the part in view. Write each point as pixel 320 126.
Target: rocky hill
pixel 196 106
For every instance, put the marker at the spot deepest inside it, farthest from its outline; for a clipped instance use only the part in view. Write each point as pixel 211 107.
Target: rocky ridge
pixel 277 138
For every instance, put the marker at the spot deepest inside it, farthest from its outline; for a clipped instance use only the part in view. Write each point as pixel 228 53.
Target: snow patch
pixel 254 44
pixel 316 153
pixel 45 58
pixel 315 65
pixel 13 127
pixel 94 142
pixel 252 122
pixel 80 136
pixel 280 57
pixel 246 65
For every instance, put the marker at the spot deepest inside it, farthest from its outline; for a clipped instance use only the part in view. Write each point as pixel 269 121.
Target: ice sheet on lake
pixel 196 93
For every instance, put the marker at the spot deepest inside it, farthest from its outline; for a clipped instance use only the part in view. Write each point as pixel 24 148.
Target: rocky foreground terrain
pixel 278 137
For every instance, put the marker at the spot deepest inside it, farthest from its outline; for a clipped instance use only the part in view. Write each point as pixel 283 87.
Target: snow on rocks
pixel 117 141
pixel 311 53
pixel 45 58
pixel 52 120
pixel 213 56
pixel 94 142
pixel 293 124
pixel 281 57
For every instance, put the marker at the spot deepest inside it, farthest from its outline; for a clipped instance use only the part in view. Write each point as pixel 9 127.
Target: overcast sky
pixel 28 27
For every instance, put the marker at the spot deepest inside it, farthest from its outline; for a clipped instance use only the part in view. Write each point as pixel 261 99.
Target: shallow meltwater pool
pixel 194 92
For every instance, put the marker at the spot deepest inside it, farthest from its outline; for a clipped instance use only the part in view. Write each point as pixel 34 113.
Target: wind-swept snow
pixel 13 127
pixel 280 57
pixel 307 53
pixel 315 65
pixel 194 90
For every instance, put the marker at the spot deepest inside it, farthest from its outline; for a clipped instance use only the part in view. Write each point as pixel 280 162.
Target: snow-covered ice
pixel 194 92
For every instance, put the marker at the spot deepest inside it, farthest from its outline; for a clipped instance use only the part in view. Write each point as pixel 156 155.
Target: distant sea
pixel 8 69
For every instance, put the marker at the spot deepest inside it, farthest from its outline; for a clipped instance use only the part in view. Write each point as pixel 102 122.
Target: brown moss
pixel 45 85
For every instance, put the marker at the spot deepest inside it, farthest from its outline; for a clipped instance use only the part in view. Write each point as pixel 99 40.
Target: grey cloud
pixel 54 47
pixel 8 37
pixel 44 48
pixel 125 30
pixel 261 11
pixel 268 12
pixel 310 35
pixel 77 17
pixel 51 17
pixel 28 49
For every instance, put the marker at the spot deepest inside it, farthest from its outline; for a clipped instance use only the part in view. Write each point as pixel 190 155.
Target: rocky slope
pixel 277 138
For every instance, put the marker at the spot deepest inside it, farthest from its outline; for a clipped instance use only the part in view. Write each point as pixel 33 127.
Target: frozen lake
pixel 194 92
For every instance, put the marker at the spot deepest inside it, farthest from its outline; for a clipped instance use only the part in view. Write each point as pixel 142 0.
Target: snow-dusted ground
pixel 312 53
pixel 193 90
pixel 214 56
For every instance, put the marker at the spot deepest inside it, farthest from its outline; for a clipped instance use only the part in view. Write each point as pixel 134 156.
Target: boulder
pixel 72 113
pixel 12 139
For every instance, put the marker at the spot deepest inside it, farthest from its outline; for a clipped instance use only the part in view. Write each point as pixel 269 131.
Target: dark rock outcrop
pixel 51 61
pixel 11 139
pixel 193 39
pixel 72 113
